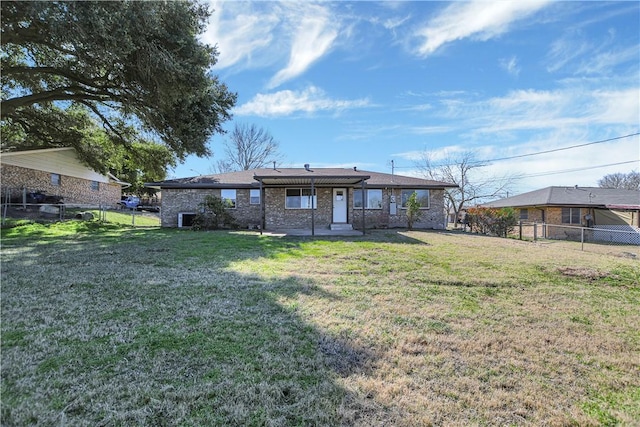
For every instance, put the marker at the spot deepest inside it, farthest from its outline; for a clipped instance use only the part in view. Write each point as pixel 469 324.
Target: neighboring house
pixel 608 208
pixel 57 171
pixel 307 198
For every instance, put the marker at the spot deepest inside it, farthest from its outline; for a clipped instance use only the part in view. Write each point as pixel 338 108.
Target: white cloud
pixel 510 65
pixel 565 50
pixel 395 22
pixel 288 102
pixel 313 37
pixel 240 32
pixel 261 34
pixel 607 61
pixel 479 20
pixel 523 110
pixel 615 107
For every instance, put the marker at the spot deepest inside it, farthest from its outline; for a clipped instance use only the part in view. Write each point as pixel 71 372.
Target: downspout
pixel 363 211
pixel 313 208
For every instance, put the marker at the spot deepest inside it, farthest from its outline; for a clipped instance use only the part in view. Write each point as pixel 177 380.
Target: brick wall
pixel 432 217
pixel 175 201
pixel 76 191
pixel 278 216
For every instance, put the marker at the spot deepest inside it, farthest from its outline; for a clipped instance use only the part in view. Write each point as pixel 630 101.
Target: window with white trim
pixel 422 195
pixel 95 186
pixel 55 179
pixel 254 197
pixel 229 198
pixel 373 198
pixel 571 216
pixel 524 214
pixel 300 198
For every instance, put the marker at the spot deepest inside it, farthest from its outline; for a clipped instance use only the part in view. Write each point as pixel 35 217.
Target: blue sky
pixel 343 84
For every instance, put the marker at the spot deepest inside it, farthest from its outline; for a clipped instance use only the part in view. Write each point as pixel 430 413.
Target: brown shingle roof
pixel 299 176
pixel 572 196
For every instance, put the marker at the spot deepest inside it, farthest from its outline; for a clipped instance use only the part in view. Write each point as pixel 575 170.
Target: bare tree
pixel 461 169
pixel 249 147
pixel 628 181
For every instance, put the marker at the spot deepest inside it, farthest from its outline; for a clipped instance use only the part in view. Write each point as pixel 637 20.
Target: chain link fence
pixel 34 205
pixel 602 238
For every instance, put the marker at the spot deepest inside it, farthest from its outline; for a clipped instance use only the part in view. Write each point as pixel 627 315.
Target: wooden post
pixel 313 208
pixel 520 229
pixel 262 220
pixel 363 211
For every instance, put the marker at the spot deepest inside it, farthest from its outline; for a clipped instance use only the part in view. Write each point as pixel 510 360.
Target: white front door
pixel 339 205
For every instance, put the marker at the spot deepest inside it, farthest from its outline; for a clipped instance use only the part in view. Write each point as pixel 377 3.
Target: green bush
pixel 497 222
pixel 214 215
pixel 413 210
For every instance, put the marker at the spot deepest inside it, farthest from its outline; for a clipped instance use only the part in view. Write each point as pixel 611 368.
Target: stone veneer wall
pixel 175 201
pixel 76 191
pixel 432 217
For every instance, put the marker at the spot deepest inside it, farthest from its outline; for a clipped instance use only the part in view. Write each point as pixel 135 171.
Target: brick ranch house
pixel 57 172
pixel 603 208
pixel 306 198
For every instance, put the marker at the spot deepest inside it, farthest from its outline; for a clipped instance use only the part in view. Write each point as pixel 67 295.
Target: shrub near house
pixel 498 222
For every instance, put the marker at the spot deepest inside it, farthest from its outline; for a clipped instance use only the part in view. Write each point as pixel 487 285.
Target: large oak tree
pixel 136 68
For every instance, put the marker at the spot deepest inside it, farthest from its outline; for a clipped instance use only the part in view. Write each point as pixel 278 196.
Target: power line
pixel 537 153
pixel 532 175
pixel 559 149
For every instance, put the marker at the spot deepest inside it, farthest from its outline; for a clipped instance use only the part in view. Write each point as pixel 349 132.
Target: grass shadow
pixel 145 328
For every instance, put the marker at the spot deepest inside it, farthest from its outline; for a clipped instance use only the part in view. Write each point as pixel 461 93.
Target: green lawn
pixel 105 324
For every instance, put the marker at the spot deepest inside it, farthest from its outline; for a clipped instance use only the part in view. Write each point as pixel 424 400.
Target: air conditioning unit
pixel 185 219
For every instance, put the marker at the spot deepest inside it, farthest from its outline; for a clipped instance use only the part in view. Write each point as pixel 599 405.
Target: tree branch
pixel 70 93
pixel 94 83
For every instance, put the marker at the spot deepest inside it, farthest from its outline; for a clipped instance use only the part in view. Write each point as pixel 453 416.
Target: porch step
pixel 341 227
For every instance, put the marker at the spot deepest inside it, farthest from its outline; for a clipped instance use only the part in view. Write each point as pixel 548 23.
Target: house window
pixel 95 186
pixel 55 179
pixel 300 198
pixel 524 214
pixel 254 197
pixel 373 199
pixel 229 198
pixel 423 197
pixel 571 215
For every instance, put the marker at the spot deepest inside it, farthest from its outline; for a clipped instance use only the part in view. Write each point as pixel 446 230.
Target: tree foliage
pixel 628 181
pixel 463 170
pixel 137 68
pixel 413 210
pixel 249 147
pixel 497 222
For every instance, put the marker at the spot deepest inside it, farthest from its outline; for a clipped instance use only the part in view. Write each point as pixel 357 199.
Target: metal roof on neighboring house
pixel 572 196
pixel 299 176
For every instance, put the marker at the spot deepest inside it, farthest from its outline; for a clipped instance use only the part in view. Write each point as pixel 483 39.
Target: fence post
pixel 7 200
pixel 535 231
pixel 520 229
pixel 582 238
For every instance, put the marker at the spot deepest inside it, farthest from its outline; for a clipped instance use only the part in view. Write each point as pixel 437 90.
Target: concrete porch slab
pixel 307 232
